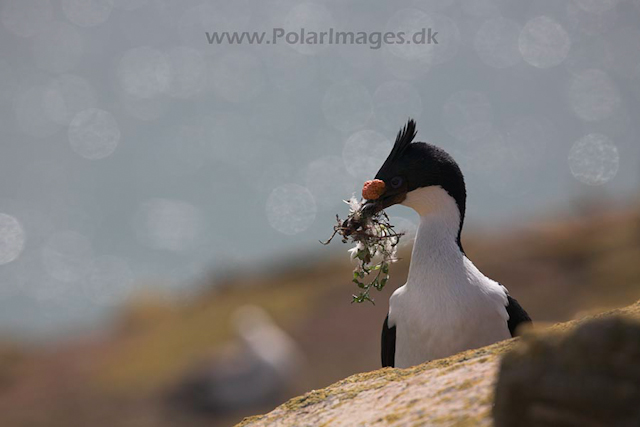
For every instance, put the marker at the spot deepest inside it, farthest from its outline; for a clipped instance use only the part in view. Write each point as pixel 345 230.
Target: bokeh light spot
pixel 594 159
pixel 144 72
pixel 12 238
pixel 291 209
pixel 543 42
pixel 94 134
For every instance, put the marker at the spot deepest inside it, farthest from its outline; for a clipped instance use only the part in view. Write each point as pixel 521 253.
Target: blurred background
pixel 162 198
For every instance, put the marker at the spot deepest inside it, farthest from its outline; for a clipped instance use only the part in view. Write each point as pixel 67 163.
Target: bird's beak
pixel 378 197
pixel 371 207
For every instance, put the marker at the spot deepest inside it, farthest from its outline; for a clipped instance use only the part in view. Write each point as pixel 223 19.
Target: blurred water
pixel 135 151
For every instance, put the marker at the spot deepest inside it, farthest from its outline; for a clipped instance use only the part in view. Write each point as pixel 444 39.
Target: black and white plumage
pixel 447 304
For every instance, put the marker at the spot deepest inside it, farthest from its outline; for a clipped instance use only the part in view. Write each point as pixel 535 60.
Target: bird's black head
pixel 414 165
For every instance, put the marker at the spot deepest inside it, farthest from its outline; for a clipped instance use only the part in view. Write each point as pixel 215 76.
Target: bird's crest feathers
pixel 405 137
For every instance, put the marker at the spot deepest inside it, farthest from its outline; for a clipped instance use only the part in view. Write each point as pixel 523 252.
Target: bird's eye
pixel 396 182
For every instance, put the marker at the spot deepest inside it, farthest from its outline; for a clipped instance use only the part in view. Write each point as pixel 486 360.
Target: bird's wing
pixel 388 344
pixel 517 315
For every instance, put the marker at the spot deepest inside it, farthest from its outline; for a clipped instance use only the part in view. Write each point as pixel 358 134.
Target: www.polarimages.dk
pixel 374 39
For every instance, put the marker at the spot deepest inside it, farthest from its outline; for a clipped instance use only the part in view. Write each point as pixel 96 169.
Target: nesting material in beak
pixel 373 189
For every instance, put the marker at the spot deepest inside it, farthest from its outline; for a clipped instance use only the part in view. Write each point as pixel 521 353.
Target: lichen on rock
pixel 458 390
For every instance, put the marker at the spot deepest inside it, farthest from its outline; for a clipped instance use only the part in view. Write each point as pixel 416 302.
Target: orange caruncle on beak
pixel 373 189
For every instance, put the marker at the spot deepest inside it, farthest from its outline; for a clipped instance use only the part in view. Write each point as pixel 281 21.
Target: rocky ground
pixel 458 390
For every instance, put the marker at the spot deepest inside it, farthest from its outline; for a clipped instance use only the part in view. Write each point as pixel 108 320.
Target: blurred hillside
pixel 556 269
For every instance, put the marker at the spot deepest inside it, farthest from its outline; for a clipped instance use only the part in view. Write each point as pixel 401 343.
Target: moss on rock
pixel 457 390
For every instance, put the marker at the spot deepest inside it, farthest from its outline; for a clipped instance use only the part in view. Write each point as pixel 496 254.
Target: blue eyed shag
pixel 447 305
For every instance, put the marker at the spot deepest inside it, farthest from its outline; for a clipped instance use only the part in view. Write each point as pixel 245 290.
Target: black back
pixel 388 344
pixel 517 315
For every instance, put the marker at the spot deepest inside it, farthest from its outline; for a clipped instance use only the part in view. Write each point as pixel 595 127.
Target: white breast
pixel 461 316
pixel 447 305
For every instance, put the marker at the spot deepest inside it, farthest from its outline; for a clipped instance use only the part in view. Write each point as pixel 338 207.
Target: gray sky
pixel 135 153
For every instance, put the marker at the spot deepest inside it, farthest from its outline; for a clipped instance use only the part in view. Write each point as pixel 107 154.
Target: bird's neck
pixel 437 258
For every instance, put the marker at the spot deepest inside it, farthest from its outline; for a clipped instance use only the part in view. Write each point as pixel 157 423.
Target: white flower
pixel 354 250
pixel 354 204
pixel 386 251
pixel 390 246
